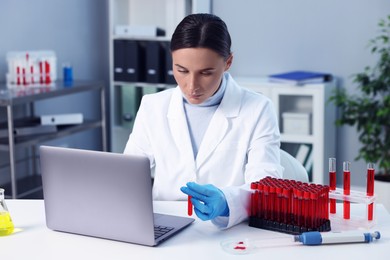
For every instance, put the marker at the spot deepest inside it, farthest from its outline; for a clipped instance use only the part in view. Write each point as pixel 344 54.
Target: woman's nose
pixel 192 83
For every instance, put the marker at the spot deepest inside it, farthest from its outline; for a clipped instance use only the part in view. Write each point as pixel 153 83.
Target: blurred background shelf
pixel 28 184
pixel 311 125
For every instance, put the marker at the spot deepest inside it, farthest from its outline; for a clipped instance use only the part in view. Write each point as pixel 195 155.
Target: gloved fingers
pixel 205 211
pixel 208 201
pixel 202 210
pixel 187 191
pixel 206 190
pixel 193 193
pixel 201 206
pixel 201 215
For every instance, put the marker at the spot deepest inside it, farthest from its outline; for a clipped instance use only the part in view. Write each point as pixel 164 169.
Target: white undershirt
pixel 199 116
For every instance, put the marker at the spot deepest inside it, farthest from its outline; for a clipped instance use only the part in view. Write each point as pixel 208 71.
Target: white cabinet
pixel 125 96
pixel 305 118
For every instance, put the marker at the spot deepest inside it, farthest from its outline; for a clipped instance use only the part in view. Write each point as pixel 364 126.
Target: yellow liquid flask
pixel 6 224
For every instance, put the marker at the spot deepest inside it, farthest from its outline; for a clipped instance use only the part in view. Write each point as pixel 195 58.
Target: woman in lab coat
pixel 208 134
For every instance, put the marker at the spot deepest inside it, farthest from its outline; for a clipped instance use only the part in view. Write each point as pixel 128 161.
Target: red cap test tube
pixel 289 202
pixel 260 202
pixel 370 188
pixel 254 199
pixel 332 183
pixel 189 206
pixel 347 188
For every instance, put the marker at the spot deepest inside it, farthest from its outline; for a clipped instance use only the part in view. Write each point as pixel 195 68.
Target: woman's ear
pixel 229 62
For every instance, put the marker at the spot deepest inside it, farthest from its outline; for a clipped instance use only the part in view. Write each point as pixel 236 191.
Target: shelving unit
pixel 9 98
pixel 308 99
pixel 125 96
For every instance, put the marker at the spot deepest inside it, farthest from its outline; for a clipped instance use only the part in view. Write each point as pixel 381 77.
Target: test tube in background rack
pixel 370 189
pixel 347 188
pixel 332 183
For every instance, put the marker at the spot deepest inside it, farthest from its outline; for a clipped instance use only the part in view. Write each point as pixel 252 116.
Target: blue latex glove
pixel 209 201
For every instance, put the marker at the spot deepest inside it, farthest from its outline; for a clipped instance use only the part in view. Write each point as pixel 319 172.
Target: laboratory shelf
pixel 24 183
pixel 61 132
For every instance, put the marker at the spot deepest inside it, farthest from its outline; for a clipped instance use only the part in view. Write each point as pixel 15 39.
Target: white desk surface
pixel 201 240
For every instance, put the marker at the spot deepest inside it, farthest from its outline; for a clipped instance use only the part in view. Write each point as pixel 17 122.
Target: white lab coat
pixel 241 145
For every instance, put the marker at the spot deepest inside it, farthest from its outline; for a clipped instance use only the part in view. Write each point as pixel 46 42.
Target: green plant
pixel 369 111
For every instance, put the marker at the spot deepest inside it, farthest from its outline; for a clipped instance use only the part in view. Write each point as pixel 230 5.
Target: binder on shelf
pixel 62 119
pixel 300 77
pixel 134 61
pixel 26 127
pixel 35 130
pixel 168 72
pixel 154 62
pixel 119 60
pixel 128 61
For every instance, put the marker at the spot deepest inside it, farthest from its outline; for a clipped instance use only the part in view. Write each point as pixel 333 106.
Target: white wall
pixel 271 36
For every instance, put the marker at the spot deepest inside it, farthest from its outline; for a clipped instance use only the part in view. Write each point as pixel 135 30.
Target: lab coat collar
pixel 216 131
pixel 231 101
pixel 178 126
pixel 219 124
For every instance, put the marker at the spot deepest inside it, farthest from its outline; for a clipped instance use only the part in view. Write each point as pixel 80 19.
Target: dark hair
pixel 202 31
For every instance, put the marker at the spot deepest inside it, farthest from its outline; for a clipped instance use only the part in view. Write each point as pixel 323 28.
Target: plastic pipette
pixel 317 238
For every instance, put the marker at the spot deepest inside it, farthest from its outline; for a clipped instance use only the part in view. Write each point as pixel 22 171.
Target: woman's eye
pixel 182 71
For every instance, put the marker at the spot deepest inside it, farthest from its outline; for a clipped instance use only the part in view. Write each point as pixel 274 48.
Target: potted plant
pixel 369 109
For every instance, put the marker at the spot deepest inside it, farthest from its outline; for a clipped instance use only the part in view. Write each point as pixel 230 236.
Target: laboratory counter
pixel 201 240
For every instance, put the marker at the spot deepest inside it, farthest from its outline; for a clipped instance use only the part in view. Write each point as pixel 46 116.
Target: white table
pixel 201 240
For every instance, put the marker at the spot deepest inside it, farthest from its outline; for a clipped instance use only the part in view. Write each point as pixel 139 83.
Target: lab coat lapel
pixel 215 132
pixel 178 126
pixel 219 124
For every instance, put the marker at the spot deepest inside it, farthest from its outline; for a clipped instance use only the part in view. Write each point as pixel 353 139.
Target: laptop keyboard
pixel 161 230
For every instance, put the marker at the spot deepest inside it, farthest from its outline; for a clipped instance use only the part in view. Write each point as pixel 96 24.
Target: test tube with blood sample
pixel 332 183
pixel 347 188
pixel 370 189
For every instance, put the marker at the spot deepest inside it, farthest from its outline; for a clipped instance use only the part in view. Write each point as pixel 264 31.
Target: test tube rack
pixel 31 68
pixel 355 221
pixel 289 206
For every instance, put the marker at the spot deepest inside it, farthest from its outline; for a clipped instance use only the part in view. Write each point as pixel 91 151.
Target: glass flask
pixel 6 224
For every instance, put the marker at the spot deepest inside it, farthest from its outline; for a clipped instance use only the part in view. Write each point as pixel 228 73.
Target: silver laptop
pixel 105 195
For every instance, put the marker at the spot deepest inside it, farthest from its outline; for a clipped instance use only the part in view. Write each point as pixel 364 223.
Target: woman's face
pixel 198 72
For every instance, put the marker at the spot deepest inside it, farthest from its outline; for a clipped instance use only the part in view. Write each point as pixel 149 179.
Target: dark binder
pixel 128 61
pixel 119 60
pixel 168 71
pixel 134 61
pixel 154 62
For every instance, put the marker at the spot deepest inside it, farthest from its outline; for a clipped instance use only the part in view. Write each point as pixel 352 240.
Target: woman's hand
pixel 209 202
